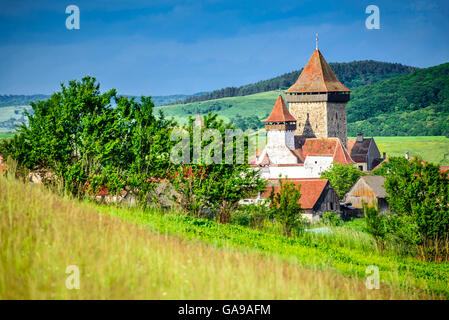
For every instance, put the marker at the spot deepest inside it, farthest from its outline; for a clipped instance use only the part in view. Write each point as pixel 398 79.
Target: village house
pixel 364 152
pixel 368 189
pixel 317 196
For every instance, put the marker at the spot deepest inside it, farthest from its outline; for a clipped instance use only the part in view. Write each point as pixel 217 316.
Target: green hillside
pixel 416 104
pixel 259 105
pixel 352 74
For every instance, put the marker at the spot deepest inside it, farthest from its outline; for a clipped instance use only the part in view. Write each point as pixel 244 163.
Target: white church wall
pixel 318 164
pixel 312 168
pixel 281 137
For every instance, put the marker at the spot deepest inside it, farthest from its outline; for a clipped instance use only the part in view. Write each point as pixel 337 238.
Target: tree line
pixel 352 74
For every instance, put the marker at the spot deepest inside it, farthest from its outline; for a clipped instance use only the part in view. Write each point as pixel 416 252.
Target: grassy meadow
pixel 259 104
pixel 126 253
pixel 433 149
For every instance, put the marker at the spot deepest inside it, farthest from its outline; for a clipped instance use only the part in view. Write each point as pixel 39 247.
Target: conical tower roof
pixel 317 76
pixel 280 112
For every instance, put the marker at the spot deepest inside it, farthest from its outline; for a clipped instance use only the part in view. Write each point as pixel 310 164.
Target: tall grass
pixel 336 253
pixel 41 234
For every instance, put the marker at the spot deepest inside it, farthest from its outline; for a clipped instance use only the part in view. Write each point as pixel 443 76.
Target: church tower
pixel 318 101
pixel 280 127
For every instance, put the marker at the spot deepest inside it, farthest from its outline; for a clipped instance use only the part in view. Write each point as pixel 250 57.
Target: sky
pixel 162 47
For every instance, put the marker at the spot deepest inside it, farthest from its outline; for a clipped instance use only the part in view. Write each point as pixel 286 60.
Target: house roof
pixel 327 147
pixel 359 150
pixel 376 183
pixel 317 76
pixel 280 112
pixel 311 190
pixel 445 169
pixel 330 147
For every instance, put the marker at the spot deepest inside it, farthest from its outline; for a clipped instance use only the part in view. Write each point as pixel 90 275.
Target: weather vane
pixel 316 40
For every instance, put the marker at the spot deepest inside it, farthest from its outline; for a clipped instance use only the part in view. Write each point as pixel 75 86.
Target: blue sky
pixel 167 47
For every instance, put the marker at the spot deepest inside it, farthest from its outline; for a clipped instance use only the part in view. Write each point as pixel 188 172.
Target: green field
pixel 432 149
pixel 129 253
pixel 6 134
pixel 259 104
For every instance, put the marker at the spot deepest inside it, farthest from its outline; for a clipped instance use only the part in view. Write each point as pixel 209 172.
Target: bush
pixel 251 215
pixel 375 224
pixel 332 219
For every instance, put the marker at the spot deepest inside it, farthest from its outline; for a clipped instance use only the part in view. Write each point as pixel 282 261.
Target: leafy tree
pixel 419 193
pixel 342 177
pixel 285 206
pixel 217 186
pixel 88 145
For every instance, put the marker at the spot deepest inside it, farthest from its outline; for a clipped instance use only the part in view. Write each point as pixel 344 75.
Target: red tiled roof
pixel 317 76
pixel 327 147
pixel 311 190
pixel 445 169
pixel 280 112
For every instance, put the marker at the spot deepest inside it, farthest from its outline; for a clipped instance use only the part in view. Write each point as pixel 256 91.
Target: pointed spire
pixel 280 112
pixel 317 76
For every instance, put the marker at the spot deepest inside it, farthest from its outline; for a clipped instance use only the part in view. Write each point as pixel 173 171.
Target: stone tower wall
pixel 311 120
pixel 337 121
pixel 320 119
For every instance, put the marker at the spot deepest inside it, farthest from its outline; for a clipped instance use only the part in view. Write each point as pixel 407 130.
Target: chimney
pixel 359 137
pixel 407 155
pixel 384 155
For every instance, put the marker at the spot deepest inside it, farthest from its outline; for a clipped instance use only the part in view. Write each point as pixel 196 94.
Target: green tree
pixel 285 206
pixel 419 193
pixel 342 177
pixel 88 145
pixel 217 186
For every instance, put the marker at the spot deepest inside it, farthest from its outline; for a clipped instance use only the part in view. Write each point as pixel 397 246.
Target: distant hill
pixel 416 104
pixel 162 100
pixel 20 100
pixel 24 100
pixel 352 74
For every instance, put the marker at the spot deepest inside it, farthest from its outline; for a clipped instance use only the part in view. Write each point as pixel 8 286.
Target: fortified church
pixel 305 139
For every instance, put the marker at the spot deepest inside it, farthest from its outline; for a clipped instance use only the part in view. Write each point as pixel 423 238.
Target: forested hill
pixel 352 74
pixel 413 104
pixel 20 100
